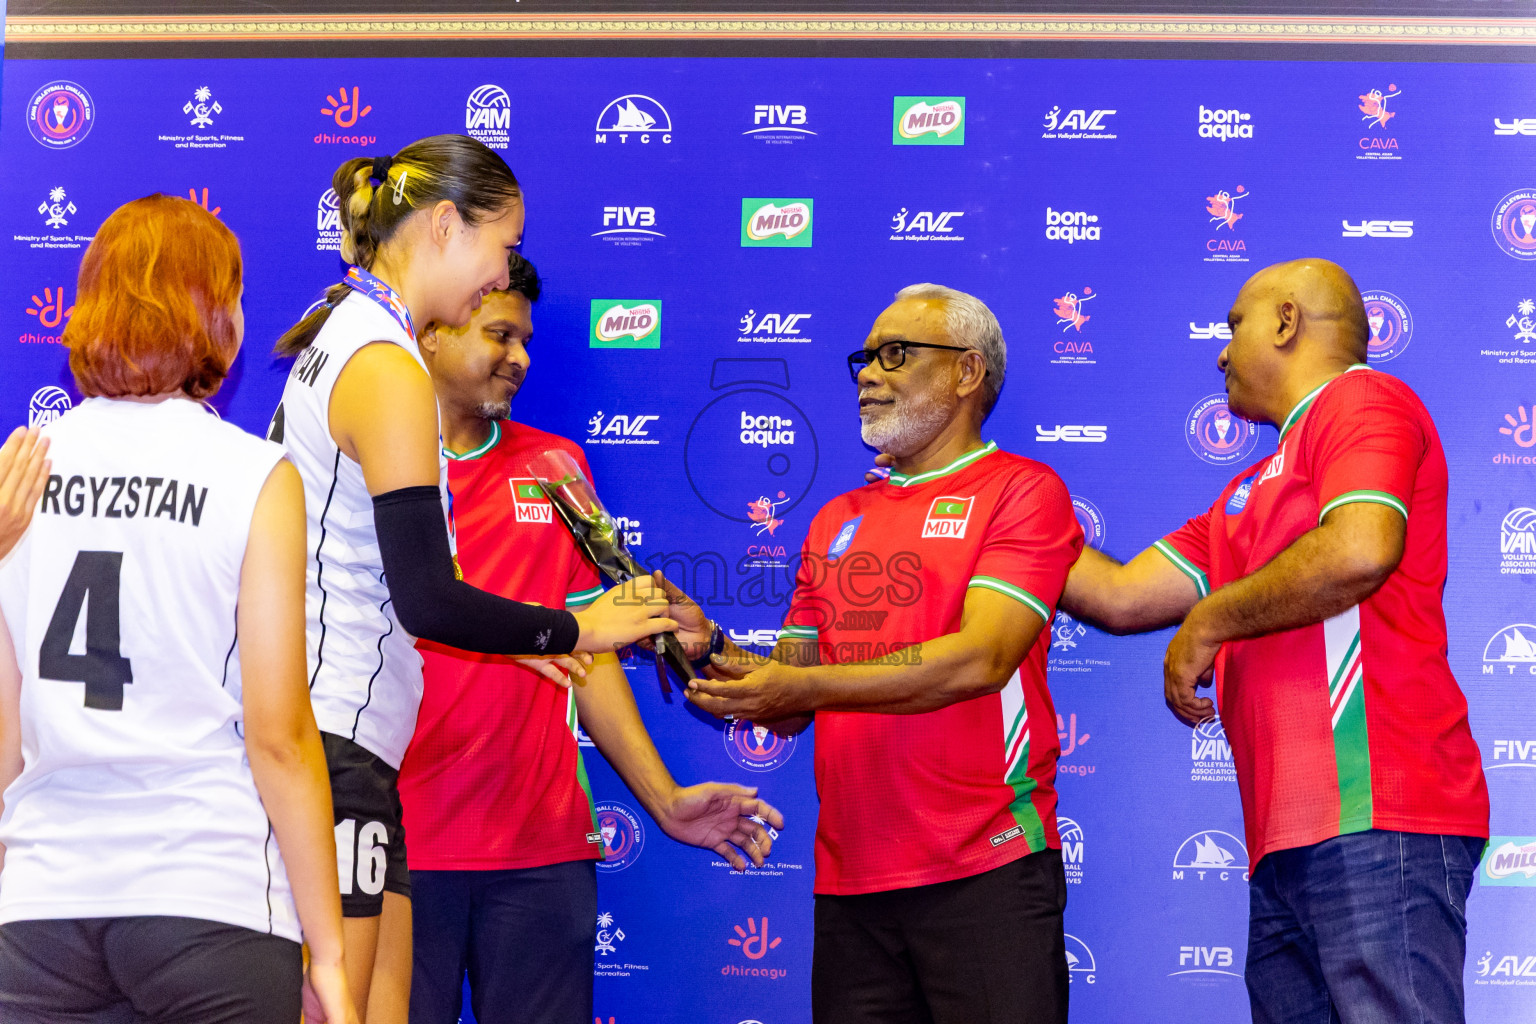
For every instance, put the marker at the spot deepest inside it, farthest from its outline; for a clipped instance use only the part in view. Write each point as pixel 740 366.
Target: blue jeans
pixel 1367 928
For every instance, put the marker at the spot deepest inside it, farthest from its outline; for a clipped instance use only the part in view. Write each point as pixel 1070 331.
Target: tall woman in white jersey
pixel 166 820
pixel 427 232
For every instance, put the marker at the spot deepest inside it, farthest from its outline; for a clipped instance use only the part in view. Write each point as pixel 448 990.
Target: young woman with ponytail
pixel 427 232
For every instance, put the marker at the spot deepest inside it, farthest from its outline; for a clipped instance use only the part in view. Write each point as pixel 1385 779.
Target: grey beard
pixel 905 427
pixel 494 410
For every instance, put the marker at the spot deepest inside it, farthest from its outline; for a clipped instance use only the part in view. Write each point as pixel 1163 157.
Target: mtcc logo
pixel 1378 229
pixel 488 116
pixel 1511 648
pixel 635 115
pixel 1080 963
pixel 776 222
pixel 1216 436
pixel 202 106
pixel 621 834
pixel 1517 542
pixel 928 121
pixel 1218 854
pixel 757 748
pixel 1514 224
pixel 60 114
pixel 1391 325
pixel 56 209
pixel 1225 123
pixel 47 404
pixel 1072 226
pixel 1077 124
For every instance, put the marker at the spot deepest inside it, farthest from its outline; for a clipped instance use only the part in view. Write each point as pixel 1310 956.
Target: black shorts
pixel 370 839
pixel 146 970
pixel 988 949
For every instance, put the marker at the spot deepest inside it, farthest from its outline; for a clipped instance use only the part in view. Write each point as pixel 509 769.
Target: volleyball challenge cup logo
pixel 1216 436
pixel 623 837
pixel 1514 224
pixel 1390 323
pixel 756 747
pixel 60 114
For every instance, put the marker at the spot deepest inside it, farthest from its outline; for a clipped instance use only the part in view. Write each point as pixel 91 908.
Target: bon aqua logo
pixel 625 323
pixel 928 121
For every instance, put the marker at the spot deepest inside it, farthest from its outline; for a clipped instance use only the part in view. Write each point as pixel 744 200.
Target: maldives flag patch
pixel 947 517
pixel 529 502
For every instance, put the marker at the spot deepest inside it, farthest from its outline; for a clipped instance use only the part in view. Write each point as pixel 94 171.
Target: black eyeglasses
pixel 891 355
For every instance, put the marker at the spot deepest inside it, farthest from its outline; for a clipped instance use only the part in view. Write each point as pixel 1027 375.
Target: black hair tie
pixel 381 166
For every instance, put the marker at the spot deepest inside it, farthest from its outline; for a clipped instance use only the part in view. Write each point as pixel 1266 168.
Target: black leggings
pixel 146 970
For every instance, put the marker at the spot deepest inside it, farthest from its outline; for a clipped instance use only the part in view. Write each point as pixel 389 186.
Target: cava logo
pixel 1210 754
pixel 620 429
pixel 1510 860
pixel 1375 112
pixel 60 114
pixel 1071 317
pixel 629 225
pixel 328 222
pixel 1219 855
pixel 488 116
pixel 928 121
pixel 635 117
pixel 1072 432
pixel 622 836
pixel 1513 754
pixel 1071 849
pixel 947 517
pixel 1505 970
pixel 1515 126
pixel 926 226
pixel 1078 124
pixel 529 501
pixel 776 222
pixel 1216 436
pixel 1390 323
pixel 1225 123
pixel 773 327
pixel 1195 961
pixel 1081 966
pixel 757 748
pixel 47 404
pixel 1222 215
pixel 1514 224
pixel 1379 229
pixel 778 124
pixel 1072 226
pixel 625 323
pixel 762 518
pixel 1511 649
pixel 1209 331
pixel 1517 542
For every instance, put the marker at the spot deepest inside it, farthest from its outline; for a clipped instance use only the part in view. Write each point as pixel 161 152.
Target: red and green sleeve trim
pixel 1016 764
pixel 1185 566
pixel 1373 497
pixel 1347 713
pixel 581 765
pixel 1019 594
pixel 582 598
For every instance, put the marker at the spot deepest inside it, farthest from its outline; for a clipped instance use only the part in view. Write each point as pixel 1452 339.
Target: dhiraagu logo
pixel 781 223
pixel 928 121
pixel 625 323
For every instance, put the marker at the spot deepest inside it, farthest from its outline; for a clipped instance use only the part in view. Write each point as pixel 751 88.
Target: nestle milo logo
pixel 928 121
pixel 625 323
pixel 776 222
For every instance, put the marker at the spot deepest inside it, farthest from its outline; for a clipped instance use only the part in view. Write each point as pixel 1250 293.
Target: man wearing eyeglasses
pixel 917 640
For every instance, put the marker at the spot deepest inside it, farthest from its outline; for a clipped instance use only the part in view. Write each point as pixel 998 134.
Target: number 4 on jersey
pixel 93 586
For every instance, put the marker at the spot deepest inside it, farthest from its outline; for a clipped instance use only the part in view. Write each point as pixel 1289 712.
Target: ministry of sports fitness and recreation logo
pixel 620 428
pixel 56 209
pixel 926 226
pixel 47 404
pixel 1517 542
pixel 777 223
pixel 1071 849
pixel 1211 855
pixel 202 107
pixel 1376 109
pixel 635 118
pixel 1070 316
pixel 1216 436
pixel 201 110
pixel 625 323
pixel 1511 649
pixel 609 935
pixel 928 121
pixel 757 748
pixel 1066 632
pixel 620 832
pixel 488 116
pixel 1079 123
pixel 629 225
pixel 1081 966
pixel 1514 224
pixel 1091 520
pixel 773 327
pixel 1509 860
pixel 1391 325
pixel 60 114
pixel 51 310
pixel 779 124
pixel 1508 969
pixel 1224 123
pixel 1210 754
pixel 345 109
pixel 328 222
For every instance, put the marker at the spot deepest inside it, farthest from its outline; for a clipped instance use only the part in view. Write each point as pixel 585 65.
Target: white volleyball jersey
pixel 135 796
pixel 365 674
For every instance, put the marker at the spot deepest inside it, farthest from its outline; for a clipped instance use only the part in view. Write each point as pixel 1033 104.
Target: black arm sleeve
pixel 433 604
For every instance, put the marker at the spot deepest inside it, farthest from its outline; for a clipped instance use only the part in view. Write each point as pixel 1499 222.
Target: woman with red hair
pixel 166 816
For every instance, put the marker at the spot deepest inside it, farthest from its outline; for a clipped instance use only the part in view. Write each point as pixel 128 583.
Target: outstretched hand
pixel 23 472
pixel 725 818
pixel 881 469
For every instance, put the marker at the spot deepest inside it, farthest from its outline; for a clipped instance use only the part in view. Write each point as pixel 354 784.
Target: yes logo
pixel 346 110
pixel 779 223
pixel 1379 229
pixel 928 121
pixel 947 517
pixel 625 323
pixel 529 501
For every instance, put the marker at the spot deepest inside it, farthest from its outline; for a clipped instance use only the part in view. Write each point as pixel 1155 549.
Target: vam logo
pixel 625 323
pixel 1205 960
pixel 1210 754
pixel 1225 123
pixel 1216 436
pixel 488 116
pixel 1513 754
pixel 60 114
pixel 772 122
pixel 928 121
pixel 1091 520
pixel 757 748
pixel 1078 124
pixel 1209 331
pixel 776 222
pixel 1071 849
pixel 202 106
pixel 629 225
pixel 529 502
pixel 1515 126
pixel 328 222
pixel 47 404
pixel 947 517
pixel 1391 325
pixel 1378 229
pixel 1510 648
pixel 1510 860
pixel 1506 970
pixel 1517 542
pixel 635 115
pixel 1521 431
pixel 622 836
pixel 773 327
pixel 1072 432
pixel 56 209
pixel 1514 224
pixel 1072 226
pixel 926 226
pixel 1218 854
pixel 1373 111
pixel 620 429
pixel 1080 963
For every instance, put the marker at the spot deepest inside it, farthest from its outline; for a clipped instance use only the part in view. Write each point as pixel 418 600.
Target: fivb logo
pixel 1225 123
pixel 1517 542
pixel 928 121
pixel 47 404
pixel 1513 754
pixel 1072 226
pixel 1218 854
pixel 947 517
pixel 629 225
pixel 1515 126
pixel 529 502
pixel 1078 124
pixel 1209 331
pixel 488 116
pixel 773 119
pixel 1510 860
pixel 1206 960
pixel 1071 849
pixel 635 115
pixel 776 223
pixel 1379 229
pixel 625 323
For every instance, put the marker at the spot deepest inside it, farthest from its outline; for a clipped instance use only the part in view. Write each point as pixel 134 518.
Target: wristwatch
pixel 716 646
